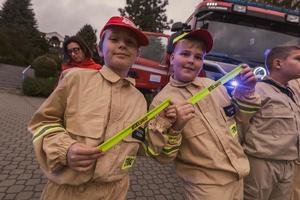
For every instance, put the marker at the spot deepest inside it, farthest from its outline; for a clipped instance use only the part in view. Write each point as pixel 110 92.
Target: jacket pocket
pixel 277 120
pixel 194 128
pixel 91 126
pixel 272 111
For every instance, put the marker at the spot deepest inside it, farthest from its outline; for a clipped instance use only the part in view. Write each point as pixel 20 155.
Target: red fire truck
pixel 149 70
pixel 243 31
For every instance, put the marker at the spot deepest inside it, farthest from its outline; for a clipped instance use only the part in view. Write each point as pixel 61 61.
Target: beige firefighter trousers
pixel 91 191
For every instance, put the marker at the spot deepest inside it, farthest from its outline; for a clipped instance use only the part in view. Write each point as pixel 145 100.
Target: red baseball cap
pixel 199 34
pixel 126 22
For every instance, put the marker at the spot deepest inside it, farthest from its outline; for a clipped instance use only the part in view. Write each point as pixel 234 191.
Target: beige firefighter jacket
pixel 88 106
pixel 273 132
pixel 210 152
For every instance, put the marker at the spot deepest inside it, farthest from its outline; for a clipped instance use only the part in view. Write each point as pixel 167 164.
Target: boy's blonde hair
pixel 191 42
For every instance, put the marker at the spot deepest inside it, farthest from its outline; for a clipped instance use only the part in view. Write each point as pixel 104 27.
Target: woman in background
pixel 77 54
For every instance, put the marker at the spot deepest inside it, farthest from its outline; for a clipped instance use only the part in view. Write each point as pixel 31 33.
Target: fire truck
pixel 243 32
pixel 149 71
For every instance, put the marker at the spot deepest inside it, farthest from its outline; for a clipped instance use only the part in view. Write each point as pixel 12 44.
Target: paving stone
pixel 7 183
pixel 20 182
pixel 9 196
pixel 15 189
pixel 148 193
pixel 3 189
pixel 33 182
pixel 13 177
pixel 24 195
pixel 29 188
pixel 160 197
pixel 165 191
pixel 3 177
pixel 24 176
pixel 17 171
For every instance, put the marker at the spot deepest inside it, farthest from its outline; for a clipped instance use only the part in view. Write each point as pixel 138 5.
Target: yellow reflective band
pixel 246 105
pixel 179 37
pixel 170 150
pixel 152 113
pixel 45 126
pixel 151 151
pixel 46 131
pixel 233 130
pixel 246 111
pixel 128 162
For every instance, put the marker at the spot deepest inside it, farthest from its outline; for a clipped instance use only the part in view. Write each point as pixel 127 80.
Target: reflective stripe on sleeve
pixel 246 108
pixel 170 150
pixel 46 129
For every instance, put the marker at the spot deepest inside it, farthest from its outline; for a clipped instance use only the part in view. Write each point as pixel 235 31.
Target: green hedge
pixel 42 87
pixel 45 66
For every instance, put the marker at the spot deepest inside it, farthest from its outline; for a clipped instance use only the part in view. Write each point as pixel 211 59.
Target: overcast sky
pixel 67 16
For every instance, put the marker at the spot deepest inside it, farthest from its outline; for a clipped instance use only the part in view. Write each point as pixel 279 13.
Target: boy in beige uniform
pixel 295 85
pixel 271 140
pixel 87 108
pixel 210 160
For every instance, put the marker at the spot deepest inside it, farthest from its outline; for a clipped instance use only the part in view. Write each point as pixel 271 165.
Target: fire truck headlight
pixel 239 8
pixel 293 18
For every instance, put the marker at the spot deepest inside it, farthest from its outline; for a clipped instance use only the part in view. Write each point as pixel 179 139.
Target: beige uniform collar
pixel 113 77
pixel 196 82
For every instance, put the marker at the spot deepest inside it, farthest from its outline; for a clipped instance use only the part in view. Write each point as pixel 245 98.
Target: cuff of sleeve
pixel 64 150
pixel 162 124
pixel 173 132
pixel 242 92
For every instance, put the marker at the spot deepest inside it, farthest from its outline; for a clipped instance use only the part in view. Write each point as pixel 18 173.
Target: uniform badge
pixel 229 110
pixel 233 130
pixel 128 162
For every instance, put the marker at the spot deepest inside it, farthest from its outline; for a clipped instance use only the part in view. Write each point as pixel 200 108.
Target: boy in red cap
pixel 210 160
pixel 88 107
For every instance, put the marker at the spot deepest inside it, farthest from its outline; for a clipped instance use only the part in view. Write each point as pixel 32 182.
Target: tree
pixel 149 15
pixel 88 34
pixel 17 21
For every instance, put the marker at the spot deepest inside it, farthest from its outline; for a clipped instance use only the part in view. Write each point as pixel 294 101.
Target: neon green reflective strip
pixel 152 113
pixel 138 123
pixel 170 150
pixel 247 105
pixel 179 37
pixel 203 93
pixel 46 129
pixel 151 151
pixel 246 111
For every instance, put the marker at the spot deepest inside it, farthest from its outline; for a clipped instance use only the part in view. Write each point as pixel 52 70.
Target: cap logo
pixel 127 21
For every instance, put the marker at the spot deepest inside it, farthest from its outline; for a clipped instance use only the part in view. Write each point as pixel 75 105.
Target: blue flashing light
pixel 234 83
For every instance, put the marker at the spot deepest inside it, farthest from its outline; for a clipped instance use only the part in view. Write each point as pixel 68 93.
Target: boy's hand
pixel 247 77
pixel 81 157
pixel 170 113
pixel 184 112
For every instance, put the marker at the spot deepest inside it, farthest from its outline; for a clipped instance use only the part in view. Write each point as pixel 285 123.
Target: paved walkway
pixel 21 178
